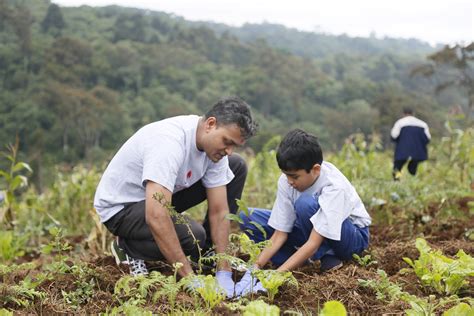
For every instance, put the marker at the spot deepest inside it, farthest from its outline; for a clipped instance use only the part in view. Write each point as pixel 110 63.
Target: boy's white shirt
pixel 164 152
pixel 338 200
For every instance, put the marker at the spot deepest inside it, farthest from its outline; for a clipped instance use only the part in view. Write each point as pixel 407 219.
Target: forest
pixel 76 82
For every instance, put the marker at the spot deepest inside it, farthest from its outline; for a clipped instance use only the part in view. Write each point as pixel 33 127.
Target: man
pixel 177 162
pixel 411 136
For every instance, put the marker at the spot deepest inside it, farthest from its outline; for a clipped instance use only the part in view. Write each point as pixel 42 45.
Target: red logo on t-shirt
pixel 189 174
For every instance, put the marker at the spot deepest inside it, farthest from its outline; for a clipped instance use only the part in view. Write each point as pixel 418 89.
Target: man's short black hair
pixel 233 110
pixel 299 150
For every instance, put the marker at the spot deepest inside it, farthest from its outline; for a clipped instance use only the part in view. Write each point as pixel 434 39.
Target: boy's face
pixel 300 179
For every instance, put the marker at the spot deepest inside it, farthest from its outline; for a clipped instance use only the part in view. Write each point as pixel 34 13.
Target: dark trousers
pixel 412 165
pixel 353 240
pixel 134 233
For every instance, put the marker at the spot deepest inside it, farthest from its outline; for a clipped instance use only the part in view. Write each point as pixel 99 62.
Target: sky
pixel 432 21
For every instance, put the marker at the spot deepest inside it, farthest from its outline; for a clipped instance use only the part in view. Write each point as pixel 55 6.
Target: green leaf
pixel 333 308
pixel 21 165
pixel 462 309
pixel 235 218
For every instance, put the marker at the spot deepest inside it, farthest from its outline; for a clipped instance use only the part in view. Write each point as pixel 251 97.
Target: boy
pixel 317 213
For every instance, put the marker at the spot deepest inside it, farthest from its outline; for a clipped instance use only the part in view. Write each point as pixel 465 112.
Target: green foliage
pixel 333 308
pixel 273 279
pixel 445 275
pixel 11 245
pixel 420 306
pixel 364 261
pixel 248 246
pixel 13 182
pixel 5 312
pixel 462 309
pixel 259 307
pixel 58 246
pixel 209 290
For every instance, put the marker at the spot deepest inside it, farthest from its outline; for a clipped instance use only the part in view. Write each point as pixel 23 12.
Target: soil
pixel 389 245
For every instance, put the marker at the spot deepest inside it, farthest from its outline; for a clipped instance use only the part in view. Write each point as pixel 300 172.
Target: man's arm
pixel 162 227
pixel 277 240
pixel 304 253
pixel 219 224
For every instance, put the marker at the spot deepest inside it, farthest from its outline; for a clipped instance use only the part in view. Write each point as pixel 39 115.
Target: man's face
pixel 220 141
pixel 300 179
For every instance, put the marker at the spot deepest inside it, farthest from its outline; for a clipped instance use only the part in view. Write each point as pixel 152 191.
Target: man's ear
pixel 210 123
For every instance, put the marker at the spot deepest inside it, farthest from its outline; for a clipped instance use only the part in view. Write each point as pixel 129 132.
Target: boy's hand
pixel 224 278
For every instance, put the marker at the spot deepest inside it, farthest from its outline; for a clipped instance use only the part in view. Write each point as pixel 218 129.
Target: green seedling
pixel 364 261
pixel 209 290
pixel 420 306
pixel 333 308
pixel 259 307
pixel 445 275
pixel 273 279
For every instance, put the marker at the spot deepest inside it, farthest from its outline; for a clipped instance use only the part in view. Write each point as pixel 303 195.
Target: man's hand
pixel 224 278
pixel 248 284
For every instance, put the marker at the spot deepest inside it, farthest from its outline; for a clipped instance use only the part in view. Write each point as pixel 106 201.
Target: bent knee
pixel 305 203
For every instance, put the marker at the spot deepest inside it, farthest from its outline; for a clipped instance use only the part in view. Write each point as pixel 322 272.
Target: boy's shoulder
pixel 331 176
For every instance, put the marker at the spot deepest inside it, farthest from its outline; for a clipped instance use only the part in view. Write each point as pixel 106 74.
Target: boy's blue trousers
pixel 354 239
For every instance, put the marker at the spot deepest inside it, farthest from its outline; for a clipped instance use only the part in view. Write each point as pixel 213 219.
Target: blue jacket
pixel 411 136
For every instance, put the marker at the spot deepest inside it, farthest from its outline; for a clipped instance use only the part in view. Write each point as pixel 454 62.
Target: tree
pixel 53 20
pixel 454 67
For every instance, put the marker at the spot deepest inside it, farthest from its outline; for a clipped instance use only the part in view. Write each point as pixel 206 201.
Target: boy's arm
pixel 304 253
pixel 277 240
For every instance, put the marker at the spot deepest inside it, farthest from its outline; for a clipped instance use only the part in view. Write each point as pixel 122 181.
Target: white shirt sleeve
pixel 218 174
pixel 395 132
pixel 161 161
pixel 283 215
pixel 333 211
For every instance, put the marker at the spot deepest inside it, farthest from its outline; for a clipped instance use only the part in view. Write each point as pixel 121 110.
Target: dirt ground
pixel 389 244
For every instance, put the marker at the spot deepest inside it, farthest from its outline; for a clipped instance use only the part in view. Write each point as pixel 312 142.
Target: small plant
pixel 57 247
pixel 20 294
pixel 14 181
pixel 333 308
pixel 259 307
pixel 445 275
pixel 209 290
pixel 11 245
pixel 273 279
pixel 420 306
pixel 364 261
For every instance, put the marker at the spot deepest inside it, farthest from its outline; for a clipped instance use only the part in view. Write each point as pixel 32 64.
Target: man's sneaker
pixel 330 263
pixel 119 254
pixel 136 266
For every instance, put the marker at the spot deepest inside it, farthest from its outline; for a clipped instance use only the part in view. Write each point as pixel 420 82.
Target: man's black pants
pixel 135 235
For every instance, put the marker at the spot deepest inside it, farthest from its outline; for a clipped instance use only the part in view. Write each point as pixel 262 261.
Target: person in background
pixel 176 163
pixel 317 214
pixel 411 136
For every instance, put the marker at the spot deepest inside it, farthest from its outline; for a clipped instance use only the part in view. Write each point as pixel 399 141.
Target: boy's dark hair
pixel 299 150
pixel 407 110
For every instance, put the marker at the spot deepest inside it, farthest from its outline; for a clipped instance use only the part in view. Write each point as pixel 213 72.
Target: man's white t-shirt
pixel 164 152
pixel 338 200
